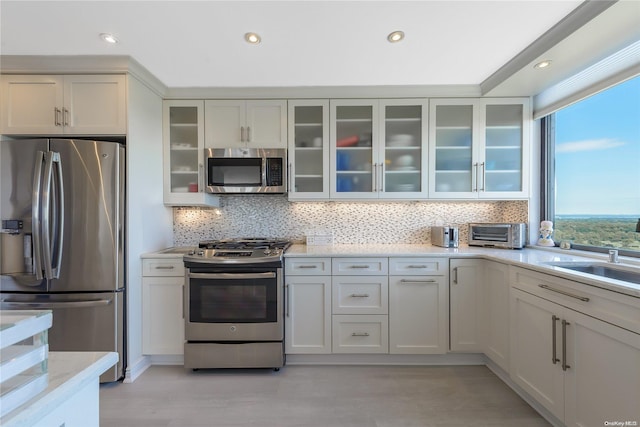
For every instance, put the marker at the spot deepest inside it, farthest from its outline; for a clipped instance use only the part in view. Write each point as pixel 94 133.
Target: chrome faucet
pixel 613 256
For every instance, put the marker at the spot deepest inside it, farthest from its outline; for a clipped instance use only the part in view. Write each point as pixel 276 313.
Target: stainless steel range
pixel 234 304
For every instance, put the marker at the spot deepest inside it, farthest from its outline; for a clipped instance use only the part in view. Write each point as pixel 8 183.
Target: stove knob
pixel 267 251
pixel 200 253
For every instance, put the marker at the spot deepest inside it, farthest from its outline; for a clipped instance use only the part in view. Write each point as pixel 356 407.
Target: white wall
pixel 149 222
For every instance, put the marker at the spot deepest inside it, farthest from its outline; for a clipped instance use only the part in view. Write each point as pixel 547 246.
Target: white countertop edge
pixel 68 372
pixel 531 257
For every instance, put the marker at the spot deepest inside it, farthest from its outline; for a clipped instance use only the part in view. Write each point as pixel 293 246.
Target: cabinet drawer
pixel 307 266
pixel 618 309
pixel 360 295
pixel 162 267
pixel 360 334
pixel 418 266
pixel 359 266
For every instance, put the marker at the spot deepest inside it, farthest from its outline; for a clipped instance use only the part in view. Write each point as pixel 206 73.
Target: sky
pixel 598 153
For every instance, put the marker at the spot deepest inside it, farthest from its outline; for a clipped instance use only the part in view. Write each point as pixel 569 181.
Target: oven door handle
pixel 238 276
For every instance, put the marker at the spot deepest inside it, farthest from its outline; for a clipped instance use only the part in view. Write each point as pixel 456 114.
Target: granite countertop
pixel 531 257
pixel 67 372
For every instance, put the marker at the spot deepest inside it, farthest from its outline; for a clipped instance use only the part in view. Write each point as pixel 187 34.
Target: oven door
pixel 238 305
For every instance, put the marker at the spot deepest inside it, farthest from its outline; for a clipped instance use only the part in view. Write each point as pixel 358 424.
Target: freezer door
pixel 19 160
pixel 81 322
pixel 92 243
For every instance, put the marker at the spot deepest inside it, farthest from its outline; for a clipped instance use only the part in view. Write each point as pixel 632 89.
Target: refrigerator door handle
pixel 58 304
pixel 36 202
pixel 49 157
pixel 58 239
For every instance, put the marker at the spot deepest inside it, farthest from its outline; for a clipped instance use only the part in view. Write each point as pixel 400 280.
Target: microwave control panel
pixel 275 176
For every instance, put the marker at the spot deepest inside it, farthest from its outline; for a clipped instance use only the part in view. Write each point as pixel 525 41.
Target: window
pixel 591 151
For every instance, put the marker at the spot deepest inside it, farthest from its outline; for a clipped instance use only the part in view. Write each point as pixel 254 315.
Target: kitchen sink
pixel 609 271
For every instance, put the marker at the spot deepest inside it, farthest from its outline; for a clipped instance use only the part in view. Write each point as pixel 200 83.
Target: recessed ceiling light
pixel 543 64
pixel 395 36
pixel 109 38
pixel 252 38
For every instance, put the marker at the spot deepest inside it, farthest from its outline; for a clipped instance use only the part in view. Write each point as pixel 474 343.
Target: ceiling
pixel 188 44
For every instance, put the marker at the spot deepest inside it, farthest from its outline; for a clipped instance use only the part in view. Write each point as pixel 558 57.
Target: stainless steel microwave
pixel 245 170
pixel 498 235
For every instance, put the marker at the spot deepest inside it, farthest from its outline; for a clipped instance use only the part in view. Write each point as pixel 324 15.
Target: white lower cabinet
pixel 308 305
pixel 308 315
pixel 495 295
pixel 418 302
pixel 162 310
pixel 580 368
pixel 360 333
pixel 466 293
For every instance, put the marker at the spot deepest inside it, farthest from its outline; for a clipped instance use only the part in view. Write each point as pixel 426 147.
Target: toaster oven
pixel 498 235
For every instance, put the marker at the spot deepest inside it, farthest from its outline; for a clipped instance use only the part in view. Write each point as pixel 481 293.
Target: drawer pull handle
pixel 165 267
pixel 549 288
pixel 359 295
pixel 418 281
pixel 360 334
pixel 307 266
pixel 358 266
pixel 416 266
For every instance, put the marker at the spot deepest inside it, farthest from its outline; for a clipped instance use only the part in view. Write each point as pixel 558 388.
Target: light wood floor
pixel 316 396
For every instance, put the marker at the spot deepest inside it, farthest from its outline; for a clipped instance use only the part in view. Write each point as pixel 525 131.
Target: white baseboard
pixel 134 371
pixel 386 359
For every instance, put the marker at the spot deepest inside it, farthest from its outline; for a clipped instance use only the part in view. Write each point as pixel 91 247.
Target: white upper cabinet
pixel 378 149
pixel 63 105
pixel 184 155
pixel 479 148
pixel 308 149
pixel 402 158
pixel 246 123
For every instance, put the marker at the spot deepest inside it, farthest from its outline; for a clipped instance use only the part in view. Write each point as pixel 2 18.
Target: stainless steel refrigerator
pixel 62 209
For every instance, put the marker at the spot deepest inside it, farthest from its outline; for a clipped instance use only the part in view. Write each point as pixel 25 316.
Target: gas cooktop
pixel 239 251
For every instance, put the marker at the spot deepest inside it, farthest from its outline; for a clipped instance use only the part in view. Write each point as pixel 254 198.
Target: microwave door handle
pixel 36 205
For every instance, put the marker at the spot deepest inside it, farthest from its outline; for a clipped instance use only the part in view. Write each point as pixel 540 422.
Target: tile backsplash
pixel 350 222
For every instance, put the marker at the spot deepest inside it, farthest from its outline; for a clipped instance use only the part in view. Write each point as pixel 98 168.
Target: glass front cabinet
pixel 479 148
pixel 183 137
pixel 376 149
pixel 308 149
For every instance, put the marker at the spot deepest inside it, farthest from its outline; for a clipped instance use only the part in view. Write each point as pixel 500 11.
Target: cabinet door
pixel 266 124
pixel 184 171
pixel 308 315
pixel 535 357
pixel 453 136
pixel 31 105
pixel 308 149
pixel 95 105
pixel 402 159
pixel 162 315
pixel 353 138
pixel 504 157
pixel 466 294
pixel 496 313
pixel 224 124
pixel 418 314
pixel 602 382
